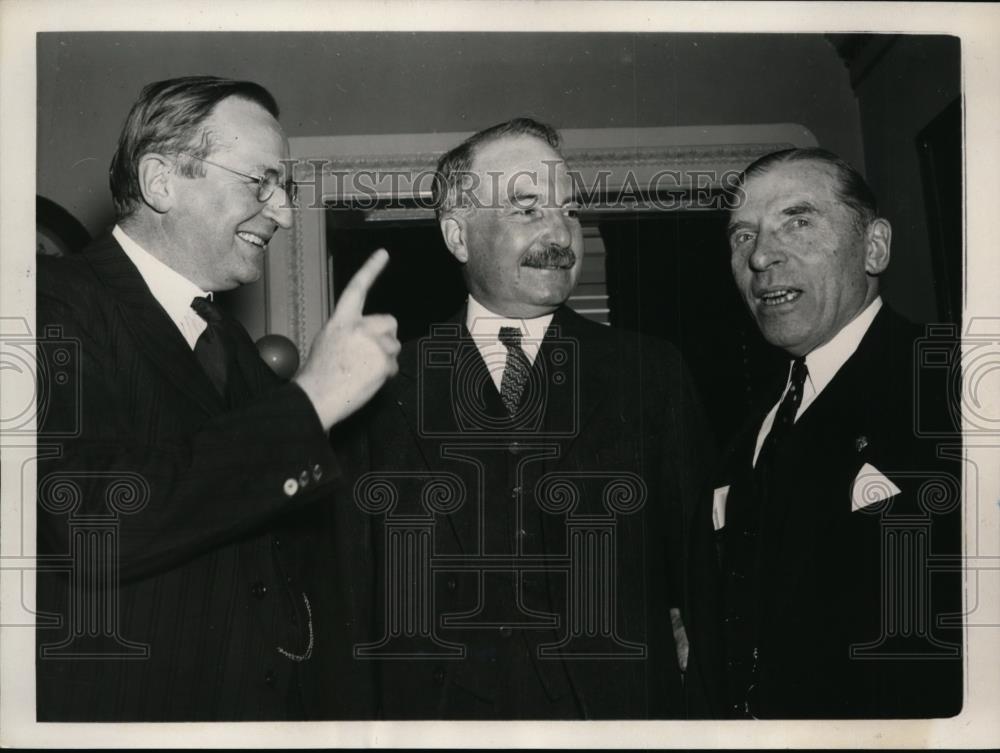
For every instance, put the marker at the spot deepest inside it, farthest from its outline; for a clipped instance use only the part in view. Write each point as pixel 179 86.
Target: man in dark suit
pixel 181 484
pixel 530 474
pixel 839 522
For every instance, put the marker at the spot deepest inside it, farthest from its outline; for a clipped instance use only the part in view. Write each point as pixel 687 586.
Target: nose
pixel 557 230
pixel 766 252
pixel 279 209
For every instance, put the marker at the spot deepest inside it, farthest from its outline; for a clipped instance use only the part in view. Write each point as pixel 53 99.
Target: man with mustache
pixel 837 518
pixel 185 481
pixel 543 467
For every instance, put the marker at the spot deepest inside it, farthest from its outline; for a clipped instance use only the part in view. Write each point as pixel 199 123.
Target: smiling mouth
pixel 253 239
pixel 779 296
pixel 566 262
pixel 550 266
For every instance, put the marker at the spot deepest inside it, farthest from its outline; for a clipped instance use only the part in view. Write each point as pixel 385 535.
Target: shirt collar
pixel 172 290
pixel 825 361
pixel 484 326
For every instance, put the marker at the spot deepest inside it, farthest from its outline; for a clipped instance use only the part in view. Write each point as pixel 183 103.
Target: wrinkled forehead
pixel 788 183
pixel 520 166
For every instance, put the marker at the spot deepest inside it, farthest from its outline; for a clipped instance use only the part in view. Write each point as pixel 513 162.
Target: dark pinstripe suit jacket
pixel 179 528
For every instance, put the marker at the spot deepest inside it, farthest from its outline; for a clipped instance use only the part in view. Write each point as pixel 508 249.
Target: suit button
pixel 505 632
pixel 259 590
pixel 736 575
pixel 451 584
pixel 749 534
pixel 317 472
pixel 438 676
pixel 291 487
pixel 515 492
pixel 276 543
pixel 304 479
pixel 269 678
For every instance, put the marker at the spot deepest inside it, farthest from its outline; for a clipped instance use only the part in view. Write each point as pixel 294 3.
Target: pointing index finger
pixel 352 300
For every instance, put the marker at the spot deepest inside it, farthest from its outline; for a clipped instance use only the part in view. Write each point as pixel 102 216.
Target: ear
pixel 878 239
pixel 453 231
pixel 156 181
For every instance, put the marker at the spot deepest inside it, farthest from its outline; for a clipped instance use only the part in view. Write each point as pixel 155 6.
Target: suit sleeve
pixel 695 578
pixel 172 497
pixel 688 459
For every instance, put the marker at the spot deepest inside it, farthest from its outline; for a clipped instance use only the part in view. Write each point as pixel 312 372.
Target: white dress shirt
pixel 484 326
pixel 823 364
pixel 172 290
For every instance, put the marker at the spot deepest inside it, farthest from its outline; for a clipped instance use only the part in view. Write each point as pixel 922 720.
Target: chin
pixel 789 343
pixel 550 302
pixel 250 275
pixel 559 294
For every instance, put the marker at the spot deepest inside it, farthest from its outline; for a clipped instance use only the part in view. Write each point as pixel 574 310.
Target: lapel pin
pixel 860 443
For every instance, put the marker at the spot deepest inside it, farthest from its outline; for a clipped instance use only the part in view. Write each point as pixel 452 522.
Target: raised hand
pixel 353 355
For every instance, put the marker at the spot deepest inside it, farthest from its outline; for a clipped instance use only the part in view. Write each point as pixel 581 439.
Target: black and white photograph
pixel 500 374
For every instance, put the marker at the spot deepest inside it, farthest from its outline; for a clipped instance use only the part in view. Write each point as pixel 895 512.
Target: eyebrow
pixel 803 207
pixel 732 227
pixel 525 196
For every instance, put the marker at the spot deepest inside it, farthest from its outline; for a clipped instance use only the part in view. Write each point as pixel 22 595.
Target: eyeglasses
pixel 266 183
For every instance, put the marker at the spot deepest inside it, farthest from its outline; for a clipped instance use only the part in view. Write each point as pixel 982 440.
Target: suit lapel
pixel 154 332
pixel 439 380
pixel 845 394
pixel 579 372
pixel 842 405
pixel 577 390
pixel 253 375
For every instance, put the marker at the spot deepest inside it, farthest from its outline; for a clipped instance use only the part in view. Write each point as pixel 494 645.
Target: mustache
pixel 562 257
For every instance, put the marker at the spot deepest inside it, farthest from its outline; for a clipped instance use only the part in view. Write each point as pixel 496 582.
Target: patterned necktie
pixel 785 416
pixel 214 349
pixel 515 370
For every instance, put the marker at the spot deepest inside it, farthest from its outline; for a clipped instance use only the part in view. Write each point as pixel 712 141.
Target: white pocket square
pixel 870 486
pixel 719 507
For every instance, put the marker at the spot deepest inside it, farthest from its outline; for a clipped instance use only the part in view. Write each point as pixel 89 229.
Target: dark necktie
pixel 745 641
pixel 515 370
pixel 785 416
pixel 214 349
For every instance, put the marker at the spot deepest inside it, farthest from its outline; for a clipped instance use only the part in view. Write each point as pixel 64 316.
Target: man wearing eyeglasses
pixel 182 486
